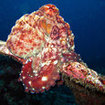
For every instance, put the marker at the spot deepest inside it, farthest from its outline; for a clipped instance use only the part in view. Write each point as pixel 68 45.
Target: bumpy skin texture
pixel 44 44
pixel 41 38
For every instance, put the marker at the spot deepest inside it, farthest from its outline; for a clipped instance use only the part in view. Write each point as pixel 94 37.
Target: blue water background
pixel 86 19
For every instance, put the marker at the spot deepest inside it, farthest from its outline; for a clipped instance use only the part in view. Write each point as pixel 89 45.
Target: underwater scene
pixel 52 52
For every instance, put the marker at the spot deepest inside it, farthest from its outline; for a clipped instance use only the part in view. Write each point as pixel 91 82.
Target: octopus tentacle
pixel 80 73
pixel 40 82
pixel 40 73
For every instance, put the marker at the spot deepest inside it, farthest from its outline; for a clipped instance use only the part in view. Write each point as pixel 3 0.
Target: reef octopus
pixel 43 42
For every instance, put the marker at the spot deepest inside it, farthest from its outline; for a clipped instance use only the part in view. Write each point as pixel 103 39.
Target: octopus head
pixel 39 30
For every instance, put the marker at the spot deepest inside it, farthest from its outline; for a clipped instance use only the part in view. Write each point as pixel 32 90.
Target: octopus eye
pixel 55 32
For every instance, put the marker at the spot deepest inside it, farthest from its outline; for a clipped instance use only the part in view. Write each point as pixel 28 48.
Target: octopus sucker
pixel 44 43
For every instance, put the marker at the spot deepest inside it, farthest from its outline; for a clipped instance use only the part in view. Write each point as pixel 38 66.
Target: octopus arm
pixel 41 81
pixel 78 72
pixel 3 49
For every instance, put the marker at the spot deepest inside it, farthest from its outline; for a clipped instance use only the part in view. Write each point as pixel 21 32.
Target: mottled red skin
pixel 39 40
pixel 43 42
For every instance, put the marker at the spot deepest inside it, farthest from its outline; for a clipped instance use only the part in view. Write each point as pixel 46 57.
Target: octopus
pixel 43 42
